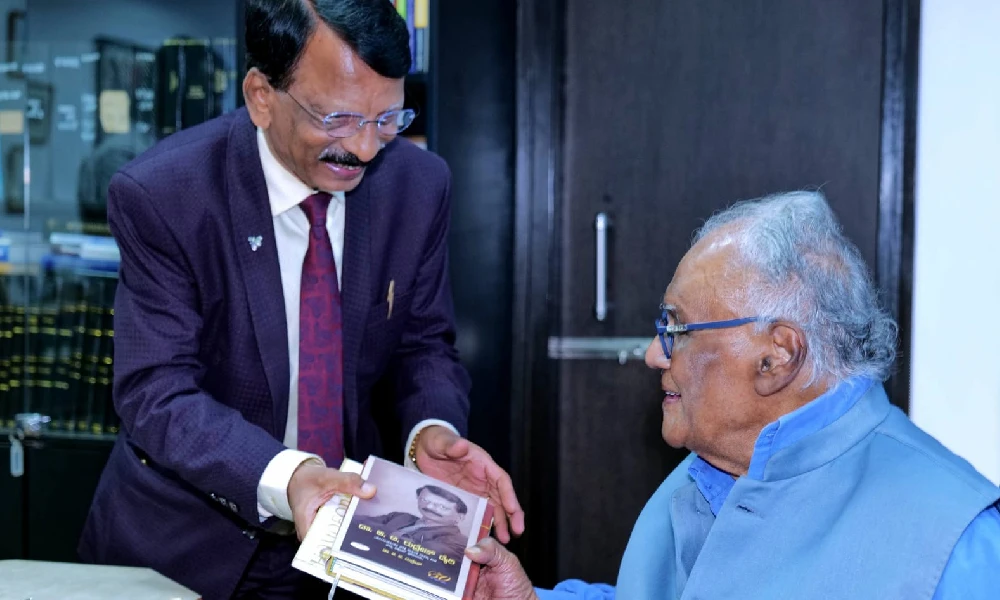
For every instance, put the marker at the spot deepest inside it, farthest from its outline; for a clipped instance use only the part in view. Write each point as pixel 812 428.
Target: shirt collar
pixel 284 190
pixel 715 485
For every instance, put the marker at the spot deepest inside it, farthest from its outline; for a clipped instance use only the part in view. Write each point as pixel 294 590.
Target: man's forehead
pixel 333 71
pixel 703 278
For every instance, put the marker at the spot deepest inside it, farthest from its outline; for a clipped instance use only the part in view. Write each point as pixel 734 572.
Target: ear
pixel 258 95
pixel 782 360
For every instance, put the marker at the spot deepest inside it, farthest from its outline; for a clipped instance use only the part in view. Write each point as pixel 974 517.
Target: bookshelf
pixel 84 88
pixel 420 18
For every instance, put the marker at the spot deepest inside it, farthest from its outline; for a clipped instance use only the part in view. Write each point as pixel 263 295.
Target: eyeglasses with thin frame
pixel 667 326
pixel 345 124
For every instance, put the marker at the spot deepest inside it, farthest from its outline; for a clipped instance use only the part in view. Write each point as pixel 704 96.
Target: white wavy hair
pixel 805 271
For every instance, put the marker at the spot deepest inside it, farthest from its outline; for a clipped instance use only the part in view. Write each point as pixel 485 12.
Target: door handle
pixel 27 426
pixel 602 222
pixel 622 349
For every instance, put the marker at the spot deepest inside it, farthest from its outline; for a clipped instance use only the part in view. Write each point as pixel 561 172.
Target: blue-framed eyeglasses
pixel 346 124
pixel 667 326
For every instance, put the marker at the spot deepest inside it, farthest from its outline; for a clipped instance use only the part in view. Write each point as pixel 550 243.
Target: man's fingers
pixel 517 522
pixel 505 498
pixel 509 502
pixel 500 525
pixel 302 527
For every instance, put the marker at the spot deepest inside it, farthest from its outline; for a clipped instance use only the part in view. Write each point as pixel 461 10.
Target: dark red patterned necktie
pixel 321 365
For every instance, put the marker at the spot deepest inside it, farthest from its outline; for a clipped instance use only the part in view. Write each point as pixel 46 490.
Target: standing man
pixel 278 263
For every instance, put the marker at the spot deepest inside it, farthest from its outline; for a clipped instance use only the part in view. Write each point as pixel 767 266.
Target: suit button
pixel 232 507
pixel 213 496
pixel 250 534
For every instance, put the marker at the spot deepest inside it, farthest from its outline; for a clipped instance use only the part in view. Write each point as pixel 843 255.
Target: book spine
pixel 484 531
pixel 7 408
pixel 419 35
pixel 415 65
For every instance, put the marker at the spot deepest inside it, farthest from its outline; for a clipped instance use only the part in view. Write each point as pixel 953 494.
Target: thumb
pixel 488 552
pixel 349 483
pixel 457 448
pixel 443 443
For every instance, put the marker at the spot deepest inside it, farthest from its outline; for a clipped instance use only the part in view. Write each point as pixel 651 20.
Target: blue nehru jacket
pixel 844 498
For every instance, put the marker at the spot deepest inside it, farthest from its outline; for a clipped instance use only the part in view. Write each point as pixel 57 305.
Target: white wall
pixel 955 391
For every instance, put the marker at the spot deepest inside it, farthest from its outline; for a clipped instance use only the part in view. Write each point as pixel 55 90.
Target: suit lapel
pixel 250 215
pixel 355 290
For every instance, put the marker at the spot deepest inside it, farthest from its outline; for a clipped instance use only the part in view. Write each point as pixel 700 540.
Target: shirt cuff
pixel 413 434
pixel 272 491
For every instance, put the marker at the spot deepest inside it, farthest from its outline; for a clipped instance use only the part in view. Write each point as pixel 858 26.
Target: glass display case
pixel 85 86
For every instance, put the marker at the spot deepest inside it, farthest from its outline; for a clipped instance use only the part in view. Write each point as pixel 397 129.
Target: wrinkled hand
pixel 501 576
pixel 312 485
pixel 448 457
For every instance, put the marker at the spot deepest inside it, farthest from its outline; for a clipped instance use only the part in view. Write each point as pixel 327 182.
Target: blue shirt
pixel 972 572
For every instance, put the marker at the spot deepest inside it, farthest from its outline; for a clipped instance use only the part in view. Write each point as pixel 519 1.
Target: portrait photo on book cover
pixel 414 525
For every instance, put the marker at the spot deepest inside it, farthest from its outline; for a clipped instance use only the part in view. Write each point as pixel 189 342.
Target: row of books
pixel 56 345
pixel 417 15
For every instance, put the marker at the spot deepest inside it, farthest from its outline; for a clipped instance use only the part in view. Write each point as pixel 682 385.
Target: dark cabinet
pixel 45 508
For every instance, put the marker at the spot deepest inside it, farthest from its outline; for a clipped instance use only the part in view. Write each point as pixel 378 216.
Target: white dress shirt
pixel 291 231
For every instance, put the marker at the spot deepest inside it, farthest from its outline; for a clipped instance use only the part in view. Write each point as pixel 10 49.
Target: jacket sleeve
pixel 430 382
pixel 574 589
pixel 158 368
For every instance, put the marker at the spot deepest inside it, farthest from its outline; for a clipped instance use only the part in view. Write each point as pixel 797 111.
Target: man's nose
pixel 654 355
pixel 365 144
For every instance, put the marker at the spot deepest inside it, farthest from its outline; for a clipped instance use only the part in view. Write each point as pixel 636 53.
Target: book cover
pixel 407 542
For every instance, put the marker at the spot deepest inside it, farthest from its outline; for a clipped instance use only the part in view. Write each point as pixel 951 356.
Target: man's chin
pixel 673 437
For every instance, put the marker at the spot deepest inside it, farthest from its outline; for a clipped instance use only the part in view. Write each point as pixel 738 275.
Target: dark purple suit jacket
pixel 201 347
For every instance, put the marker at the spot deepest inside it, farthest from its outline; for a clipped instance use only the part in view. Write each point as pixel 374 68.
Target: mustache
pixel 345 159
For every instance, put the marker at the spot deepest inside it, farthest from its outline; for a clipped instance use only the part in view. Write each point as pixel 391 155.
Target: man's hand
pixel 501 575
pixel 313 484
pixel 445 456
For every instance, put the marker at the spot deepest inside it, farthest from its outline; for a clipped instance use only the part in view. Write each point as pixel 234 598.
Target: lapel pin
pixel 255 242
pixel 390 297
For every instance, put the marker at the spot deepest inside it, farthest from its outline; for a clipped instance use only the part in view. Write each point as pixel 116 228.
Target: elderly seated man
pixel 803 482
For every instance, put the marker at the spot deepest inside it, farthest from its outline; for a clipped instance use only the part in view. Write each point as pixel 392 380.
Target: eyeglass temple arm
pixel 717 324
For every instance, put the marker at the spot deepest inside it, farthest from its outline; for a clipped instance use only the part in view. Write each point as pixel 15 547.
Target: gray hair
pixel 805 271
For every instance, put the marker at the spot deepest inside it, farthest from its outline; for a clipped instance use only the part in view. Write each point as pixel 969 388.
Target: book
pixel 406 543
